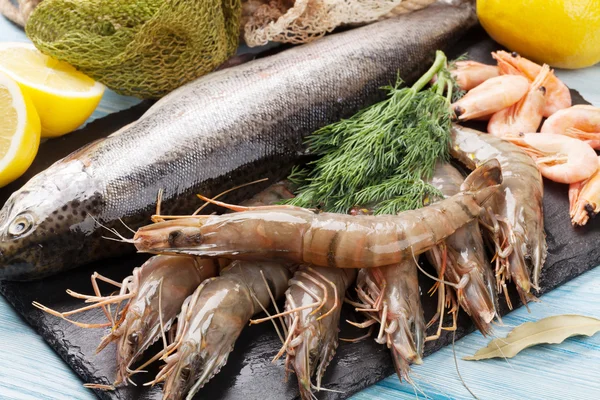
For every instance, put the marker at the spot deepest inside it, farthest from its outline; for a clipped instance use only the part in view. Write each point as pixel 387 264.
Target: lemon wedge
pixel 19 131
pixel 63 97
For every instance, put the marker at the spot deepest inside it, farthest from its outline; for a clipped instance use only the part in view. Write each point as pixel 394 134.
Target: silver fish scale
pixel 229 127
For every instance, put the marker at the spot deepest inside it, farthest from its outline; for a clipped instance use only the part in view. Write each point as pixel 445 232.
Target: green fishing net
pixel 142 48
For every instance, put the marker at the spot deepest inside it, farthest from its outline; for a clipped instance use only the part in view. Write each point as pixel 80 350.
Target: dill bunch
pixel 384 154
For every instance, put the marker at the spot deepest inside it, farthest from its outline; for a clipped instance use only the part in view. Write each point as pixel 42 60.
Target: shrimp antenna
pixel 457 371
pixel 454 285
pixel 125 225
pixel 160 317
pixel 229 191
pixel 159 197
pixel 98 386
pixel 120 238
pixel 262 274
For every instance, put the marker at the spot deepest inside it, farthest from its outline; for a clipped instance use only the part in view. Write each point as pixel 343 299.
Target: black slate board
pixel 249 373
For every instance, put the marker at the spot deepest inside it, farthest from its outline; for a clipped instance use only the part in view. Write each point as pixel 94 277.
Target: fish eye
pixel 20 225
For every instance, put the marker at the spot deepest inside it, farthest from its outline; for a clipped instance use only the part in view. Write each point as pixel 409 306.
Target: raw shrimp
pixel 491 96
pixel 515 215
pixel 558 95
pixel 390 297
pixel 580 121
pixel 461 259
pixel 559 158
pixel 154 294
pixel 211 320
pixel 584 199
pixel 301 236
pixel 526 114
pixel 469 74
pixel 313 304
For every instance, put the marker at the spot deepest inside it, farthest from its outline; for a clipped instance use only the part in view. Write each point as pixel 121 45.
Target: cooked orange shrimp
pixel 584 199
pixel 526 114
pixel 154 294
pixel 390 296
pixel 580 121
pixel 559 158
pixel 491 96
pixel 558 95
pixel 469 74
pixel 301 236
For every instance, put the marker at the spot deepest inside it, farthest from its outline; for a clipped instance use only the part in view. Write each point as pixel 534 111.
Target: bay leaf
pixel 549 330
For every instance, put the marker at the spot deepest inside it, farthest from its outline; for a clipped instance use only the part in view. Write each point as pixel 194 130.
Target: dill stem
pixel 441 85
pixel 438 63
pixel 449 94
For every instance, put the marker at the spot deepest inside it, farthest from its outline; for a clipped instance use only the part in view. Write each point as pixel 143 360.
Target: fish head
pixel 42 224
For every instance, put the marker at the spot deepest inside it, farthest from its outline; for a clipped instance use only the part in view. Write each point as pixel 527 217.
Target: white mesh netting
pixel 302 21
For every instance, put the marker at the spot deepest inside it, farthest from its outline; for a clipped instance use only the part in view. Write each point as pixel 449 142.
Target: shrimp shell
pixel 300 236
pixel 581 122
pixel 558 95
pixel 466 258
pixel 559 158
pixel 469 74
pixel 526 114
pixel 212 319
pixel 391 297
pixel 517 207
pixel 584 199
pixel 490 97
pixel 313 303
pixel 154 291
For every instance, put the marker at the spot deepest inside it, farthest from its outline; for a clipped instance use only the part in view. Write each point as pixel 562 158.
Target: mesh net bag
pixel 142 48
pixel 302 21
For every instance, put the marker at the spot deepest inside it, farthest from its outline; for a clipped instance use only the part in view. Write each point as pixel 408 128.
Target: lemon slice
pixel 19 131
pixel 63 97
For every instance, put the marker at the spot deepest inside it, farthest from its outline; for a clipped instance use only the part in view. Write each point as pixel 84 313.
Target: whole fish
pixel 229 127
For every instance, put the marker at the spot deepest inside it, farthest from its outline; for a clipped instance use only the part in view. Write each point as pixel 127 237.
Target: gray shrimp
pixel 300 236
pixel 312 309
pixel 154 294
pixel 462 260
pixel 211 320
pixel 390 297
pixel 514 221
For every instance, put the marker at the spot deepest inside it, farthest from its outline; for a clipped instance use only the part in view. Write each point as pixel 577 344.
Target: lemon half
pixel 63 97
pixel 561 33
pixel 19 131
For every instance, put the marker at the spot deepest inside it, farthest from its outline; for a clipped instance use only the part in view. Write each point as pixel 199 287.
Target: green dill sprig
pixel 384 154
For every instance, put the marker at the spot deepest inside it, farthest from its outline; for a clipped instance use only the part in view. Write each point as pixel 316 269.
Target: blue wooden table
pixel 29 369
